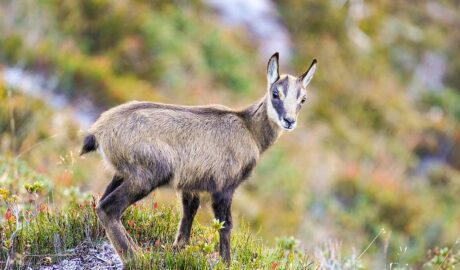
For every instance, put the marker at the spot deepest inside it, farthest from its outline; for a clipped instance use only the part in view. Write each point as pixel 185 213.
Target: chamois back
pixel 203 148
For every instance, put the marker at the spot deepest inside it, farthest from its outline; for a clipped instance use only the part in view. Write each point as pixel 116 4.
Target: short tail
pixel 89 144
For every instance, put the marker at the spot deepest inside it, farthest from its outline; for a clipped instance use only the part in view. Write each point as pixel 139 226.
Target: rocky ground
pixel 87 256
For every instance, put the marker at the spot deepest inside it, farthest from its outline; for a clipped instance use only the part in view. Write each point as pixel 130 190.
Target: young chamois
pixel 192 149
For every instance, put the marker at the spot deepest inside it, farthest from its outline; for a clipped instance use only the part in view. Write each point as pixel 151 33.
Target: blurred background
pixel 378 146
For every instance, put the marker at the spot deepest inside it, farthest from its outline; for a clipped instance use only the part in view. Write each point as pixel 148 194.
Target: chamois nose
pixel 289 120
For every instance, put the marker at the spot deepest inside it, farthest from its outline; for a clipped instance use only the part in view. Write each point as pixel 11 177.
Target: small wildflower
pixel 131 223
pixel 157 242
pixel 155 205
pixel 65 178
pixel 273 266
pixel 4 193
pixel 34 188
pixel 93 202
pixel 8 214
pixel 43 208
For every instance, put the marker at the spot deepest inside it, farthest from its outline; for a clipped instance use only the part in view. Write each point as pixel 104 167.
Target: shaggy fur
pixel 192 149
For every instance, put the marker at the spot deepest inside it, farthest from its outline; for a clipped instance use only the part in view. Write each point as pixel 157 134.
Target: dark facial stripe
pixel 298 93
pixel 279 107
pixel 285 84
pixel 277 103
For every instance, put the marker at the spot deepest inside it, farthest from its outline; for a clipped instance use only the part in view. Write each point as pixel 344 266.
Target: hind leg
pixel 110 209
pixel 116 182
pixel 190 204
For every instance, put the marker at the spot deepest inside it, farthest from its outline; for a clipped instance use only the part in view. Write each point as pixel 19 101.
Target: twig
pixel 370 244
pixel 101 259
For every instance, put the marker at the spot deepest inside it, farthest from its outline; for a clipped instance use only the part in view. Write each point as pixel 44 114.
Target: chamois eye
pixel 275 95
pixel 303 100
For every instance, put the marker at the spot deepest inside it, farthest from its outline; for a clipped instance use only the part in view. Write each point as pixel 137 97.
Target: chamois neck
pixel 264 131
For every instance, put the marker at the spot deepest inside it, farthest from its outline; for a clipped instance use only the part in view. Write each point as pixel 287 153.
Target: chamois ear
pixel 306 77
pixel 273 69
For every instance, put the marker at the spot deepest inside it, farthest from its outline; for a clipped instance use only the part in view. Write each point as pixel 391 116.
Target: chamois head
pixel 286 94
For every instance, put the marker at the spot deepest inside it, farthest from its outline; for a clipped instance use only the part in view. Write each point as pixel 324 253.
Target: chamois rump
pixel 190 148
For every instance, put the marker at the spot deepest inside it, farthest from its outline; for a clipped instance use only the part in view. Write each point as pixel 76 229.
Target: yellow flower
pixel 4 193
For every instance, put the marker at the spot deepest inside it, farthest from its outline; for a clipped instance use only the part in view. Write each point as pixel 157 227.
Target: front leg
pixel 190 204
pixel 221 204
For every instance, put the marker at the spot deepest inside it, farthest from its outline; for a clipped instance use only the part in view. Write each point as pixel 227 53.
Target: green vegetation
pixel 35 231
pixel 145 45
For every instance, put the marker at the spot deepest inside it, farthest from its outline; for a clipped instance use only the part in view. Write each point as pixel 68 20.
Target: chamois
pixel 190 148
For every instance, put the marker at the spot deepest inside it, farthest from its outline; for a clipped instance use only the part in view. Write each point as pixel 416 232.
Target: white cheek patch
pixel 271 112
pixel 291 102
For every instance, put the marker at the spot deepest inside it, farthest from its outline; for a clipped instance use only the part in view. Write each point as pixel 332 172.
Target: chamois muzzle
pixel 288 123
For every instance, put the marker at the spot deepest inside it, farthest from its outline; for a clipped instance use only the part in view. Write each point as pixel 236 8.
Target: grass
pixel 51 232
pixel 39 223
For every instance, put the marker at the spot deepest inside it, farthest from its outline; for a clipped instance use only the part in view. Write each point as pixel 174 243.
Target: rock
pixel 88 256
